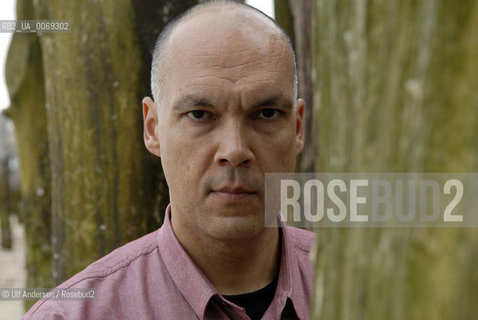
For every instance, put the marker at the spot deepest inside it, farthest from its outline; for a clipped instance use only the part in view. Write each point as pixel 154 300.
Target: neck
pixel 235 266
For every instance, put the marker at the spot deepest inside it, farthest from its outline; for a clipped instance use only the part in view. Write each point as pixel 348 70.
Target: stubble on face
pixel 230 66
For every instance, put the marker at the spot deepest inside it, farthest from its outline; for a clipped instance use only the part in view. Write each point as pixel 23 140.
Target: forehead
pixel 222 27
pixel 236 46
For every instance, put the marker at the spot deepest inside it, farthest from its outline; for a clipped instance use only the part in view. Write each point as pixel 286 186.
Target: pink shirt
pixel 154 278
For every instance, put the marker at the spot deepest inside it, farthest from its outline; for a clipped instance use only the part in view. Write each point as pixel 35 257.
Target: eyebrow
pixel 190 101
pixel 275 100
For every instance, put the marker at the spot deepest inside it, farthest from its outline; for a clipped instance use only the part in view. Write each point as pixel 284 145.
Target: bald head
pixel 218 25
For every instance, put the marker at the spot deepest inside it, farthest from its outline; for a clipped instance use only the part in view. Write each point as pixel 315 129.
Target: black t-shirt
pixel 255 303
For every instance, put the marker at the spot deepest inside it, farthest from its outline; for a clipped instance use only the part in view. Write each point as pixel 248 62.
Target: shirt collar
pixel 190 281
pixel 198 290
pixel 291 282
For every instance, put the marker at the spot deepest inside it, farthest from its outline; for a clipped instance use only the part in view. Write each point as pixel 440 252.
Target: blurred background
pixel 389 85
pixel 12 246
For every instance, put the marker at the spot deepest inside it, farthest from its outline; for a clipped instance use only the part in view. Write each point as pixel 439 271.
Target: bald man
pixel 225 112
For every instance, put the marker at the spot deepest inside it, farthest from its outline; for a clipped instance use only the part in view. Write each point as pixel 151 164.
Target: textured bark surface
pixel 5 227
pixel 302 13
pixel 76 104
pixel 106 188
pixel 283 15
pixel 295 17
pixel 5 190
pixel 24 77
pixel 396 91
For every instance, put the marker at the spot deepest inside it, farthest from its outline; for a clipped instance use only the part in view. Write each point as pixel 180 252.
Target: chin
pixel 235 227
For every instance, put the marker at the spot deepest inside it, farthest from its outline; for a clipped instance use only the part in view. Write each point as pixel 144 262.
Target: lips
pixel 233 193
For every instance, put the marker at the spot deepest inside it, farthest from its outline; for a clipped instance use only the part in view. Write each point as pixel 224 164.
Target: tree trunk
pixel 295 17
pixel 24 77
pixel 5 188
pixel 106 188
pixel 396 91
pixel 5 228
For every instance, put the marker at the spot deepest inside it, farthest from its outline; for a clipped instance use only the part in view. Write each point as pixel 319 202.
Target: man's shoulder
pixel 303 240
pixel 121 264
pixel 117 259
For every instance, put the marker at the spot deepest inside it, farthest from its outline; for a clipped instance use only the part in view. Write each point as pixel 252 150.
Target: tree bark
pixel 24 77
pixel 106 188
pixel 396 91
pixel 295 17
pixel 5 187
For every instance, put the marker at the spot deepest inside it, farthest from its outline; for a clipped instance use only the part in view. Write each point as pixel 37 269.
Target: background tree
pixel 295 17
pixel 24 78
pixel 394 86
pixel 9 184
pixel 106 188
pixel 88 183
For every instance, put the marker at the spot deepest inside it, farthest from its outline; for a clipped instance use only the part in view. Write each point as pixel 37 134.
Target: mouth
pixel 233 193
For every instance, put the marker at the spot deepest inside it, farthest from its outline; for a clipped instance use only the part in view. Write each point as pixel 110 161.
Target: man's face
pixel 226 117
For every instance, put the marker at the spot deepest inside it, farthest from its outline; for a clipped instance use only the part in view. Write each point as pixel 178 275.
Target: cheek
pixel 278 154
pixel 184 162
pixel 171 158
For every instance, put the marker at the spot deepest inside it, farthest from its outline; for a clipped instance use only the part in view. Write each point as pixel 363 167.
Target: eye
pixel 269 114
pixel 198 115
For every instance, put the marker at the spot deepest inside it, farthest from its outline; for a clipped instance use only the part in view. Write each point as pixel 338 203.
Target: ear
pixel 299 107
pixel 150 120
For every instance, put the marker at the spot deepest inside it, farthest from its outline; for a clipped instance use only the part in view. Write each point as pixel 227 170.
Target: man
pixel 224 113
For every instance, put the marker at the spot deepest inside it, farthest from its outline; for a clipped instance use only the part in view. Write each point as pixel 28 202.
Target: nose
pixel 234 146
